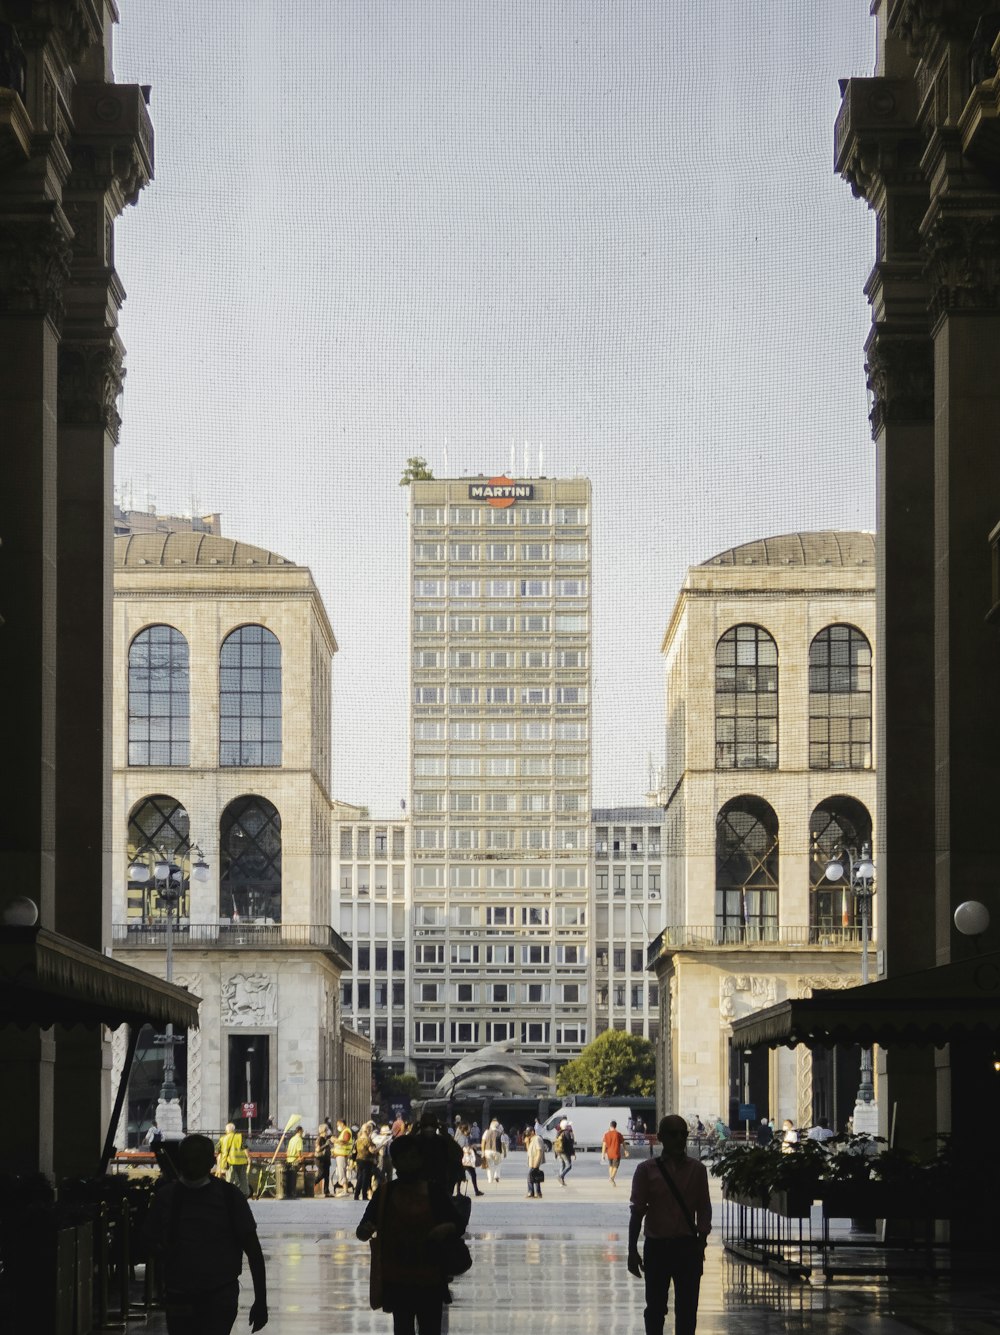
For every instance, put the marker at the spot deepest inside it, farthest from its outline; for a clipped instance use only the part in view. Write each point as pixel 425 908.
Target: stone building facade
pixel 770 769
pixel 221 745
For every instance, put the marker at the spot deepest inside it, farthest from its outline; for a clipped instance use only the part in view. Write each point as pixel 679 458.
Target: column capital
pixel 963 259
pixel 35 257
pixel 91 373
pixel 899 366
pixel 877 142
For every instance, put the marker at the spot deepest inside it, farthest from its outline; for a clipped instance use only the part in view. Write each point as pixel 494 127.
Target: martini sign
pixel 501 492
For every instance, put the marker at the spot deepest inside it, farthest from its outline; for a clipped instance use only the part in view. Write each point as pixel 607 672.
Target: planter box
pixel 881 1200
pixel 790 1204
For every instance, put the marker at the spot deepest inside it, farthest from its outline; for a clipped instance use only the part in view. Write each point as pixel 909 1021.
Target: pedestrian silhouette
pixel 201 1228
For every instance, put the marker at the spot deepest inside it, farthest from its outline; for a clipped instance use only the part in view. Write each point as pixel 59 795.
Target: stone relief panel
pixel 743 993
pixel 249 999
pixel 119 1046
pixel 194 1058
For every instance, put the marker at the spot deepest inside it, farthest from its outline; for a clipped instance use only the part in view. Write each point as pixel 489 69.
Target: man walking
pixel 671 1194
pixel 233 1161
pixel 293 1161
pixel 202 1228
pixel 612 1147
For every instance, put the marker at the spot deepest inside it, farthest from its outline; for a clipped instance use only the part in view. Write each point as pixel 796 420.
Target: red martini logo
pixel 500 492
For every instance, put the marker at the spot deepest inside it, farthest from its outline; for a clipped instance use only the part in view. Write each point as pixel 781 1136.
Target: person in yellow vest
pixel 293 1161
pixel 343 1148
pixel 233 1160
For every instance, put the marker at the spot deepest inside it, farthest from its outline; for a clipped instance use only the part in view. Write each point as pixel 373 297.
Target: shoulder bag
pixel 680 1201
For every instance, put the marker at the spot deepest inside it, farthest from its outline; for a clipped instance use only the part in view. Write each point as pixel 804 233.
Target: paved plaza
pixel 558 1265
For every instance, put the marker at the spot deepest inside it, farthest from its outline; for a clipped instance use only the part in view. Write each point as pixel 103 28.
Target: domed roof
pixel 190 549
pixel 827 548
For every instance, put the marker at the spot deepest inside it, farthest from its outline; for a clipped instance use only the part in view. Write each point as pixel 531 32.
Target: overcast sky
pixel 610 228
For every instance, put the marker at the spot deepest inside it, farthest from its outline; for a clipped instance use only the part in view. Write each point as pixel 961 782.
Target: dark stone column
pixel 879 148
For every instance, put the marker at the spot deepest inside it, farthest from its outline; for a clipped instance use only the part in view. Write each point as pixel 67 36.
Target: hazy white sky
pixel 608 227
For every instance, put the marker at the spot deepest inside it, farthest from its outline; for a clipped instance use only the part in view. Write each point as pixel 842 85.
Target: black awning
pixel 958 1000
pixel 48 979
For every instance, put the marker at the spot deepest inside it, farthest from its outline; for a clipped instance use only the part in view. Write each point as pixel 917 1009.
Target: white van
pixel 589 1125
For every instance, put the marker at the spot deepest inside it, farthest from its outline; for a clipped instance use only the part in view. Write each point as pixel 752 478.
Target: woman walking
pixel 322 1151
pixel 469 1155
pixel 366 1153
pixel 535 1147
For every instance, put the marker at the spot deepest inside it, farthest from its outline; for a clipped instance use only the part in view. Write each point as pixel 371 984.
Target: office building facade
pixel 627 915
pixel 500 629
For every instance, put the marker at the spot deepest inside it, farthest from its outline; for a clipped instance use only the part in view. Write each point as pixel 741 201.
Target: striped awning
pixel 48 979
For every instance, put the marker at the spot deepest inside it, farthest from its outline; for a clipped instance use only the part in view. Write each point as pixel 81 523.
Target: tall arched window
pixel 746 699
pixel 840 699
pixel 746 871
pixel 159 710
pixel 250 861
pixel 250 698
pixel 158 825
pixel 838 823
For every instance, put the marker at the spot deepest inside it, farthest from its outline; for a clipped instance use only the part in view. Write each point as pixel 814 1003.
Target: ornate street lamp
pixel 860 874
pixel 167 875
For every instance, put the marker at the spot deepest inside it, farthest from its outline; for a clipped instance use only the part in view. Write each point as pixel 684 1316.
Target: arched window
pixel 158 825
pixel 250 861
pixel 840 700
pixel 250 698
pixel 746 699
pixel 746 871
pixel 838 823
pixel 159 710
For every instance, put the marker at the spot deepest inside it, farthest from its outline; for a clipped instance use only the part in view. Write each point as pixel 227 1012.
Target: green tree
pixel 416 470
pixel 615 1063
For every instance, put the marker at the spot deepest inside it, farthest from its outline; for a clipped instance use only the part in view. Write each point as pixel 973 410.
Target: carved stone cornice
pixel 963 262
pixel 899 367
pixel 35 256
pixel 112 143
pixel 924 24
pixel 877 144
pixel 91 373
pixel 73 25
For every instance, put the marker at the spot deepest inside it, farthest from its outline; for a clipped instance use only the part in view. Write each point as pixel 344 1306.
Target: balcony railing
pixel 753 936
pixel 229 936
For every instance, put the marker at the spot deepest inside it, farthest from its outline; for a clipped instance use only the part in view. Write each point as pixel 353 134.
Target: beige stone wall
pixel 703 990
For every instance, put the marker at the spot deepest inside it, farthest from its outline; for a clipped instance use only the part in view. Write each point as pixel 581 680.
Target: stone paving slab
pixel 558 1265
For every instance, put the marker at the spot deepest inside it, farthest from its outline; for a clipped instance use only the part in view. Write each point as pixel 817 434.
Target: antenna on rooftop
pixel 525 473
pixel 445 470
pixel 541 471
pixel 513 459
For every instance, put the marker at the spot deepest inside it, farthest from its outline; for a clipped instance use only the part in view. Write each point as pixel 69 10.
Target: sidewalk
pixel 558 1265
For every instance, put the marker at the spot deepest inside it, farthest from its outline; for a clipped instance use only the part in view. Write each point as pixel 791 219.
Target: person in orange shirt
pixel 612 1147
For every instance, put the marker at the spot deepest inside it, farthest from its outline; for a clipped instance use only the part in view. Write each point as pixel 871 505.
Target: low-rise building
pixel 770 771
pixel 222 820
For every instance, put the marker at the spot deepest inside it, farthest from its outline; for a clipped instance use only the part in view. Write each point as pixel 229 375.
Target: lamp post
pixel 250 1052
pixel 860 873
pixel 167 876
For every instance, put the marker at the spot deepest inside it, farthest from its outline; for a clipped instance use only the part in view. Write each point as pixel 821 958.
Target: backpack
pixel 559 1144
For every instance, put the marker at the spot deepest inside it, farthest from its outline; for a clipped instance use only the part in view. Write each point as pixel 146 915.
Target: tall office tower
pixel 500 766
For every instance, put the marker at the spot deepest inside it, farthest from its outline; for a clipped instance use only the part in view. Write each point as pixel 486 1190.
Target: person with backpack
pixel 201 1228
pixel 564 1148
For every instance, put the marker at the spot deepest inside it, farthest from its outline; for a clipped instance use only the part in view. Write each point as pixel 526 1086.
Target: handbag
pixel 537 1175
pixel 468 1157
pixel 457 1258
